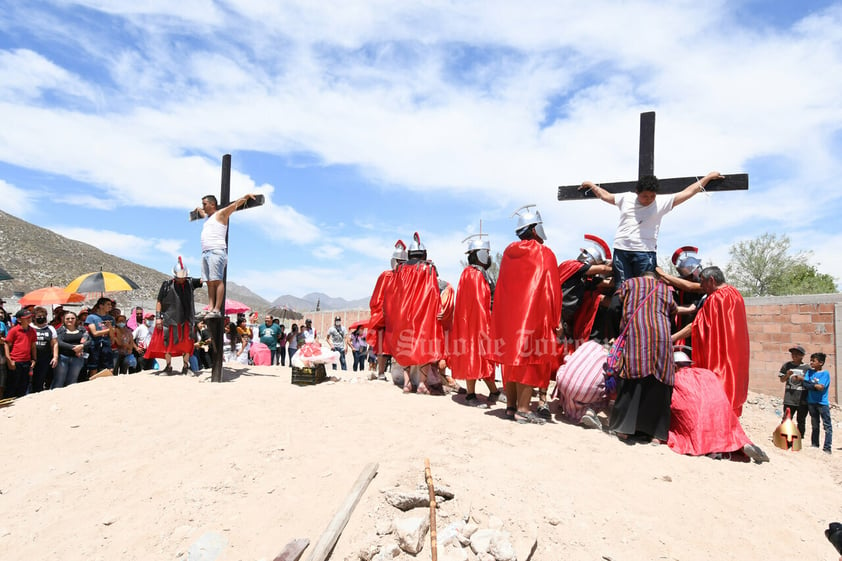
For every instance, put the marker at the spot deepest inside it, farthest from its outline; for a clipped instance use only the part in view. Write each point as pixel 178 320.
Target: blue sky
pixel 363 122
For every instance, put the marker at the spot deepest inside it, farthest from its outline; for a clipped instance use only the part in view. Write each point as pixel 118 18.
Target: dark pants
pixel 629 264
pixel 17 380
pixel 100 355
pixel 40 373
pixel 798 413
pixel 821 411
pixel 344 364
pixel 282 355
pixel 359 360
pixel 273 356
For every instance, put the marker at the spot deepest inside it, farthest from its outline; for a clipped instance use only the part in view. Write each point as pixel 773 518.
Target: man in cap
pixel 795 396
pixel 337 338
pixel 469 335
pixel 377 321
pixel 20 354
pixel 720 336
pixel 526 316
pixel 174 318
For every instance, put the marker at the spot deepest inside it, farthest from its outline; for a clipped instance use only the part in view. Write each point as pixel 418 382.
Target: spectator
pixel 282 345
pixel 46 352
pixel 71 347
pixel 795 396
pixel 242 350
pixel 98 324
pixel 359 346
pixel 4 330
pixel 817 383
pixel 292 341
pixel 142 336
pixel 337 339
pixel 201 356
pixel 123 345
pixel 268 334
pixel 58 317
pixel 308 334
pixel 20 354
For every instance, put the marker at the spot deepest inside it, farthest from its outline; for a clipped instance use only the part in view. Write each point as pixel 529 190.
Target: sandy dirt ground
pixel 144 467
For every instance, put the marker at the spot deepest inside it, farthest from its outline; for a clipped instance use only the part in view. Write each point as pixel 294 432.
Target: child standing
pixel 795 396
pixel 817 381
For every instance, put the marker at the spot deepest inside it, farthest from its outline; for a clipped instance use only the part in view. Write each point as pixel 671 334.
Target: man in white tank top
pixel 215 248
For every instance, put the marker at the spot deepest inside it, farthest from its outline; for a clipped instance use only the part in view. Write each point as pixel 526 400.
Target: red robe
pixel 527 311
pixel 469 335
pixel 377 321
pixel 702 420
pixel 588 307
pixel 721 343
pixel 413 331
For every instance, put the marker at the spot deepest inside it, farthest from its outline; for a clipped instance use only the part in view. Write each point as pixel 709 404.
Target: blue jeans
pixel 67 370
pixel 124 364
pixel 359 360
pixel 629 264
pixel 344 364
pixel 822 411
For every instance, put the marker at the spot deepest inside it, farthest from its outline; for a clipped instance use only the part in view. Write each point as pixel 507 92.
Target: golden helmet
pixel 787 436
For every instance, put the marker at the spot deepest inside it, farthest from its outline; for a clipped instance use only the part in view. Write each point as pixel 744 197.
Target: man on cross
pixel 636 238
pixel 215 248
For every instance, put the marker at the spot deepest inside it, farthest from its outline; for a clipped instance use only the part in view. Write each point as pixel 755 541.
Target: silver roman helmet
pixel 687 262
pixel 527 217
pixel 596 252
pixel 399 255
pixel 417 250
pixel 681 358
pixel 179 271
pixel 480 244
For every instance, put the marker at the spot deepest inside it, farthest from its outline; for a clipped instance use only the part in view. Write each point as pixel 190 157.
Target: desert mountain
pixel 308 302
pixel 37 257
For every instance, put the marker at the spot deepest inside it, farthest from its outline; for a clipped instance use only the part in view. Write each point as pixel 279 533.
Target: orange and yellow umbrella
pixel 101 281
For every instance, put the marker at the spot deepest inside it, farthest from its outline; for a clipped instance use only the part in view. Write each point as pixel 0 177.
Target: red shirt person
pixel 720 336
pixel 526 316
pixel 20 354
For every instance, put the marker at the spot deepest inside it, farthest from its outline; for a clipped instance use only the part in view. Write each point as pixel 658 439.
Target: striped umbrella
pixel 101 281
pixel 50 295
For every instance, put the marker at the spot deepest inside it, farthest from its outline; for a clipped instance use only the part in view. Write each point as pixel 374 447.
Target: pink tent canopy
pixel 234 307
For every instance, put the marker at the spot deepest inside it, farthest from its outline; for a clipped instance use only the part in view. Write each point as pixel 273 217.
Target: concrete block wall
pixel 776 323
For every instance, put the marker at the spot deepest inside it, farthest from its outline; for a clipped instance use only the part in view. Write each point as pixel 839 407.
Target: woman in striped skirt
pixel 644 390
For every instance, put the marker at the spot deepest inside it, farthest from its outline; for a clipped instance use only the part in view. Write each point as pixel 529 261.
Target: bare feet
pixel 422 389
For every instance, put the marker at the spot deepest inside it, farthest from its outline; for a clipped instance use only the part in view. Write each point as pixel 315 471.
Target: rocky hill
pixel 308 302
pixel 36 257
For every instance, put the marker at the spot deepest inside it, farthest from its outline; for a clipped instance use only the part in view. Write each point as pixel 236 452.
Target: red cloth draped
pixel 377 321
pixel 469 334
pixel 157 349
pixel 413 331
pixel 586 314
pixel 721 343
pixel 527 310
pixel 702 420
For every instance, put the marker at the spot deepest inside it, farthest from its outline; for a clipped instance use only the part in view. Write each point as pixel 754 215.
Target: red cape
pixel 469 334
pixel 413 331
pixel 377 321
pixel 721 343
pixel 527 307
pixel 586 314
pixel 702 420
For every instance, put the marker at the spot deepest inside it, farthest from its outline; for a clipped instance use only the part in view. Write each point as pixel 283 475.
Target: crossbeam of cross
pixel 646 166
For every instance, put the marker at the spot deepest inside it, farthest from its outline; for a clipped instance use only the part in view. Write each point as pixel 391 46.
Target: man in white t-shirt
pixel 215 248
pixel 636 239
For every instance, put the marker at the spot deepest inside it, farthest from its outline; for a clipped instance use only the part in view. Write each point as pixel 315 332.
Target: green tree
pixel 764 267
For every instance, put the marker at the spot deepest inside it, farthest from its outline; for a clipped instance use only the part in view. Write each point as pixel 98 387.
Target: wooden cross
pixel 646 166
pixel 217 325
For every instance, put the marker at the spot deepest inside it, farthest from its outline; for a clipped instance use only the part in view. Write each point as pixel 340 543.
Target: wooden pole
pixel 331 534
pixel 433 542
pixel 218 325
pixel 293 550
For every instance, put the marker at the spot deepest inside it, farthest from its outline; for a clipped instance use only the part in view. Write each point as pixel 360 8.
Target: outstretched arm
pixel 679 283
pixel 599 192
pixel 225 213
pixel 696 187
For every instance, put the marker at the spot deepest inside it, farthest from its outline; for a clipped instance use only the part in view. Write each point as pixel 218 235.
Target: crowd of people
pixel 538 321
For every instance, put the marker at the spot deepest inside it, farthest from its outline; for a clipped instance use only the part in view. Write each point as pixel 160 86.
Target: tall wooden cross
pixel 217 325
pixel 646 166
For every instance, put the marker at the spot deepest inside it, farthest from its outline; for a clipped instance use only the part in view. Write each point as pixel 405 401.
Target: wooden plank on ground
pixel 293 550
pixel 331 535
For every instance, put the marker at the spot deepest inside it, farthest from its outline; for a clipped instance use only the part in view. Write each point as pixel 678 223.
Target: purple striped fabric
pixel 579 382
pixel 648 346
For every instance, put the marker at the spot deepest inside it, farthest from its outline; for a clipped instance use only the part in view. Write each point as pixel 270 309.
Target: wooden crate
pixel 308 376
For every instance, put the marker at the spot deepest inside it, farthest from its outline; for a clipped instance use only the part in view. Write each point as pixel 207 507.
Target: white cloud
pixel 27 75
pixel 127 246
pixel 16 201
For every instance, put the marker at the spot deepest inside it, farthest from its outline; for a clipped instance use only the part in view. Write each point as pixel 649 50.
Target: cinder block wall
pixel 777 323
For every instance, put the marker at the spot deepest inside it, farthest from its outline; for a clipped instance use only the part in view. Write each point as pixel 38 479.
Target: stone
pixel 404 500
pixel 411 533
pixel 368 553
pixel 481 539
pixel 501 547
pixel 383 527
pixel 387 553
pixel 453 553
